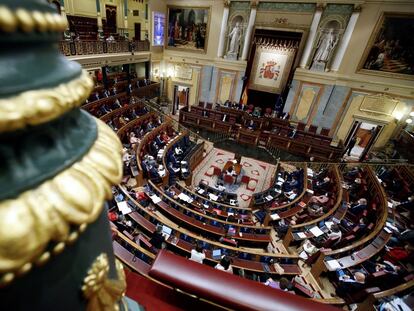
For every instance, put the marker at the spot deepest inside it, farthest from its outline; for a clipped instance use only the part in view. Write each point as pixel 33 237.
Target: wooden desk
pixel 236 167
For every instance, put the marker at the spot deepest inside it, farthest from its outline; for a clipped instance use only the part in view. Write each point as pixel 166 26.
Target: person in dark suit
pixel 359 207
pixel 351 145
pixel 157 240
pixel 323 186
pixel 349 285
pixel 251 125
pixel 355 189
pixel 408 204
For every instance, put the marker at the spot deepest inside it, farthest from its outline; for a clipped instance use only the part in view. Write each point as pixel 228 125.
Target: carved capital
pixel 254 4
pixel 227 3
pixel 357 8
pixel 320 6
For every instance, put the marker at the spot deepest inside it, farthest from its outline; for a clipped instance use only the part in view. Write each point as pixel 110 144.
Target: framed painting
pixel 271 67
pixel 390 51
pixel 158 28
pixel 188 28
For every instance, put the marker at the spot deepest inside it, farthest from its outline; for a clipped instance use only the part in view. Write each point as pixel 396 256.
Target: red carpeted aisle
pixel 155 297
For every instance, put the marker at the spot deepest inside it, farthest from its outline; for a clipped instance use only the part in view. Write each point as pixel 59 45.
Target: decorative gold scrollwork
pixel 45 214
pixel 28 21
pixel 102 293
pixel 39 106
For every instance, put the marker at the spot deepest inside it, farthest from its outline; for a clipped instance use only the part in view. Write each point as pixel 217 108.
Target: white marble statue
pixel 235 36
pixel 326 44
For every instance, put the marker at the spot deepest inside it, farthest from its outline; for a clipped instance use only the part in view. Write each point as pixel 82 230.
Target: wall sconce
pixel 409 121
pixel 412 114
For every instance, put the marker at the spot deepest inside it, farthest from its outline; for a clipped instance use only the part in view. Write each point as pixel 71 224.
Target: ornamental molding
pixel 39 106
pixel 30 21
pixel 103 293
pixel 43 216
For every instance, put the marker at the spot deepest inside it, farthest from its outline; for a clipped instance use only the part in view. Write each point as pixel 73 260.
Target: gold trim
pixel 102 293
pixel 45 214
pixel 39 106
pixel 29 21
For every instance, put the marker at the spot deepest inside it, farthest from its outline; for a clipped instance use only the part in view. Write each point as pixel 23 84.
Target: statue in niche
pixel 235 36
pixel 326 44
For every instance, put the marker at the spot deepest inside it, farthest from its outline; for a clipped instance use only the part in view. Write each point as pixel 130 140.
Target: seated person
pixel 154 148
pixel 334 233
pixel 159 141
pixel 315 210
pixel 230 171
pixel 320 199
pixel 354 189
pixel 224 265
pixel 178 150
pixel 407 204
pixel 161 170
pixel 323 186
pixel 150 126
pixel 291 195
pixel 351 226
pixel 197 254
pixel 257 111
pixel 157 239
pixel 283 226
pixel 117 104
pixel 292 133
pixel 353 173
pixel 307 249
pixel 133 140
pixel 290 185
pixel 349 285
pixel 164 137
pixel 359 207
pixel 284 116
pixel 220 186
pixel 251 125
pixel 283 284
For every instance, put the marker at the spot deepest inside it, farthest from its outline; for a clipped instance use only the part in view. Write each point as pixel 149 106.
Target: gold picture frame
pixel 379 58
pixel 179 34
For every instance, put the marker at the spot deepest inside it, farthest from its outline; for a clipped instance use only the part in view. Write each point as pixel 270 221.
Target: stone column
pixel 126 31
pixel 99 17
pixel 222 38
pixel 343 44
pixel 248 37
pixel 311 37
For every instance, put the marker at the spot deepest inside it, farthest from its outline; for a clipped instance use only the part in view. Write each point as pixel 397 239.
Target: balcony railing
pixel 84 47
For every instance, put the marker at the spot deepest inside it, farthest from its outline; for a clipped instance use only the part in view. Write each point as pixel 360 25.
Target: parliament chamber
pixel 206 154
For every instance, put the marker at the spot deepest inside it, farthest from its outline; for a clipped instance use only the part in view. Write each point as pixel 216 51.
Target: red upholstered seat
pixel 245 179
pixel 325 131
pixel 312 129
pixel 228 179
pixel 225 289
pixel 301 126
pixel 216 171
